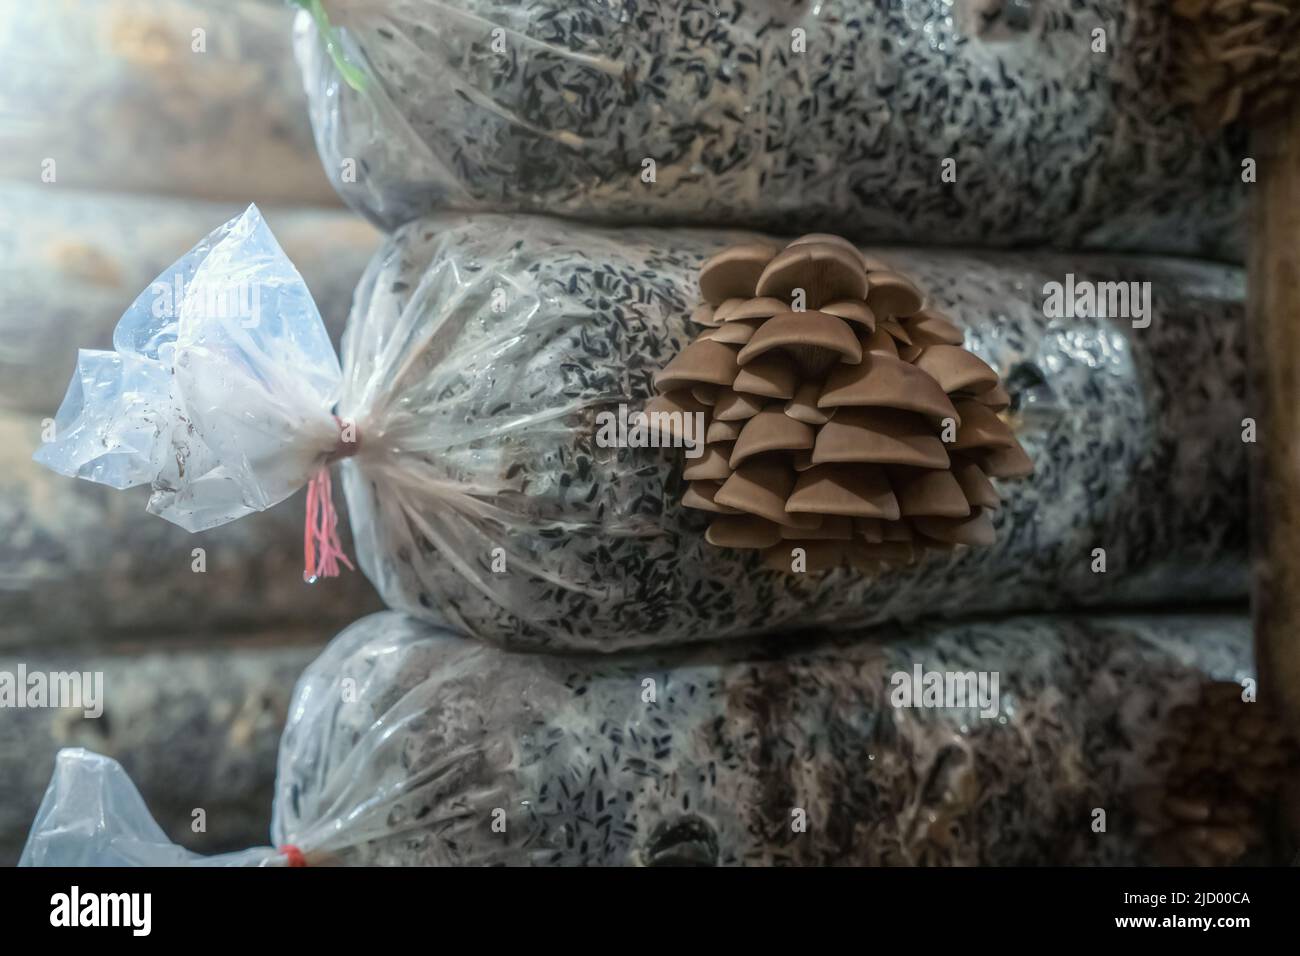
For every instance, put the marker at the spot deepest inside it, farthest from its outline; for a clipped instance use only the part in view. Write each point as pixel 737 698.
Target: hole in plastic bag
pixel 682 841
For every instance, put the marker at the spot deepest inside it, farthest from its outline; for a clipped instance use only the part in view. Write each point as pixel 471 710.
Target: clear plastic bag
pixel 923 122
pixel 92 815
pixel 218 390
pixel 408 745
pixel 481 348
pixel 185 97
pixel 78 563
pixel 99 249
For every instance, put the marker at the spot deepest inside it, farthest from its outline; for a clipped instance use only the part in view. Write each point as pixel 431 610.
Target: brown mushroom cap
pixel 996 398
pixel 773 375
pixel 673 409
pixel 780 557
pixel 733 406
pixel 825 271
pixel 761 307
pixel 812 339
pixel 881 436
pixel 759 487
pixel 892 293
pixel 724 312
pixel 735 331
pixel 928 491
pixel 880 342
pixel 803 407
pixel 957 370
pixel 852 310
pixel 704 394
pixel 1009 462
pixel 975 485
pixel 710 466
pixel 931 327
pixel 833 528
pixel 724 431
pixel 770 430
pixel 742 531
pixel 980 427
pixel 822 238
pixel 875 264
pixel 843 490
pixel 734 272
pixel 699 494
pixel 703 362
pixel 975 530
pixel 895 330
pixel 886 382
pixel 703 315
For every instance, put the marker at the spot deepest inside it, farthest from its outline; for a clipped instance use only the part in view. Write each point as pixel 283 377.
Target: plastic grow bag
pixel 78 563
pixel 481 349
pixel 96 250
pixel 185 97
pixel 408 745
pixel 975 123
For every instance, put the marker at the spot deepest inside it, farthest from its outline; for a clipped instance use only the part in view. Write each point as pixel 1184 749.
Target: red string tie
pixel 293 855
pixel 322 550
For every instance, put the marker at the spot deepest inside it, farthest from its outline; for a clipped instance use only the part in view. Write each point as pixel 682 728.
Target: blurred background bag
pixel 975 123
pixel 409 745
pixel 179 97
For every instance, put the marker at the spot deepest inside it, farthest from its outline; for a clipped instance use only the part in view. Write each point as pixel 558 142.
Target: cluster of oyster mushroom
pixel 843 418
pixel 1224 766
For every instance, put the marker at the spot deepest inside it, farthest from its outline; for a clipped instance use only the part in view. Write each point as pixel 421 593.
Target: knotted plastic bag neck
pixel 322 550
pixel 293 856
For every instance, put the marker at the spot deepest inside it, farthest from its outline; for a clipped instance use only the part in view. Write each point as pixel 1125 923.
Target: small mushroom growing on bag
pixel 1221 771
pixel 845 422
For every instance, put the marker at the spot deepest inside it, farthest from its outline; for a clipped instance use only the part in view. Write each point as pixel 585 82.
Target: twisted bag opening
pixel 321 548
pixel 218 392
pixel 293 856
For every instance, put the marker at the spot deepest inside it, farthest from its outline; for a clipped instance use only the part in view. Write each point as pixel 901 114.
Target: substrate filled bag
pixel 408 745
pixel 185 97
pixel 1039 123
pixel 483 351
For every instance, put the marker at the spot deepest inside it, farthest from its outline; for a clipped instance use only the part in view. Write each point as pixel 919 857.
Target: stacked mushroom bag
pixel 410 745
pixel 825 425
pixel 919 122
pixel 207 91
pixel 484 351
